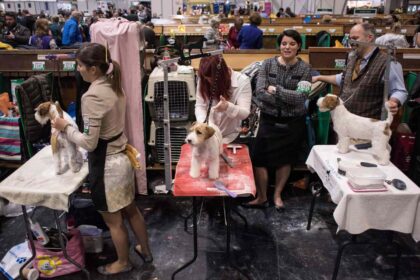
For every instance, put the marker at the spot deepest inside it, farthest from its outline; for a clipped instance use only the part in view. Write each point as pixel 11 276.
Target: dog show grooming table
pixel 357 212
pixel 239 179
pixel 35 183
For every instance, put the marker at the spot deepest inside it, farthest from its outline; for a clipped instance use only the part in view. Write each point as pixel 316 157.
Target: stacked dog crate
pixel 181 88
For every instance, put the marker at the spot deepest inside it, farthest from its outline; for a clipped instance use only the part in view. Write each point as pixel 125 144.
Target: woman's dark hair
pixel 293 34
pixel 93 54
pixel 211 69
pixel 255 18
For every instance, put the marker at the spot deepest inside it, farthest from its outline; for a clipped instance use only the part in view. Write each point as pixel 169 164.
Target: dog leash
pixel 213 89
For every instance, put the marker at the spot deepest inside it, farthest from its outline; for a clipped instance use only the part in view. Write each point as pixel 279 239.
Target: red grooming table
pixel 239 179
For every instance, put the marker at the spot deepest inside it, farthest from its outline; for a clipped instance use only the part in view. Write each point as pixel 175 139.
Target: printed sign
pixel 340 63
pixel 69 65
pixel 38 65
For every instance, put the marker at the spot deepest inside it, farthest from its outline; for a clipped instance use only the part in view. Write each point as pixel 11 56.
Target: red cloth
pixel 232 37
pixel 239 179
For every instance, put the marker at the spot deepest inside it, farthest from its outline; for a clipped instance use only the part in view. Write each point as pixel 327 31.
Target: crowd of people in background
pixel 67 29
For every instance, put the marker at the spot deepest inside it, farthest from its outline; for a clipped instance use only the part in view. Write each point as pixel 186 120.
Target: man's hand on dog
pixel 222 105
pixel 393 105
pixel 59 123
pixel 271 89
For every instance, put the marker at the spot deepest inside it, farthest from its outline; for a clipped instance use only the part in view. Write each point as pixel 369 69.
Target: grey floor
pixel 274 246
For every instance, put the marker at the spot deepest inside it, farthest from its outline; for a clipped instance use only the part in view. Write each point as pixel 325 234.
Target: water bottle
pixel 39 233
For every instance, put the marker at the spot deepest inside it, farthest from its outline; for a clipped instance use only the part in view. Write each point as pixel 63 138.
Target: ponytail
pixel 114 76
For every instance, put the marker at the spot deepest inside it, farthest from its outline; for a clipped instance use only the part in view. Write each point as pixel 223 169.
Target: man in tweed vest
pixel 362 80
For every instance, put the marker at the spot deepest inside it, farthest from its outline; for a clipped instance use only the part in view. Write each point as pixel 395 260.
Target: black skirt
pixel 278 141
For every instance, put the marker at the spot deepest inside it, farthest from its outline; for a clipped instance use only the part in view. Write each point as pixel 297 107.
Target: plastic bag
pixel 14 260
pixel 52 263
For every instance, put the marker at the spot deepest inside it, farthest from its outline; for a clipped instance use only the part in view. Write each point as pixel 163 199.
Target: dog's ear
pixel 43 109
pixel 192 126
pixel 331 101
pixel 59 110
pixel 209 132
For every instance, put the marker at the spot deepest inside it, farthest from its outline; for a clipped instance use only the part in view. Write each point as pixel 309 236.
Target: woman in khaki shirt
pixel 110 172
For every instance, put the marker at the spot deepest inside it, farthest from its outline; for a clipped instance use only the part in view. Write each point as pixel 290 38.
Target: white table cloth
pixel 357 212
pixel 35 183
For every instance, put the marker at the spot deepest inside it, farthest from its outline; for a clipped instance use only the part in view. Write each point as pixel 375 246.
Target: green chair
pixel 303 37
pixel 323 39
pixel 323 125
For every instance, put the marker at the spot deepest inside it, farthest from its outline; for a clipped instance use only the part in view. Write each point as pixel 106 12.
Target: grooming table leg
pixel 195 238
pixel 31 241
pixel 63 246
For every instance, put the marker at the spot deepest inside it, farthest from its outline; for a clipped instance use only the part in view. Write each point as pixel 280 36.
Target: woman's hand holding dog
pixel 222 105
pixel 59 123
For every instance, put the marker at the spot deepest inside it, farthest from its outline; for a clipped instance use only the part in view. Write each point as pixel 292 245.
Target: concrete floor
pixel 275 245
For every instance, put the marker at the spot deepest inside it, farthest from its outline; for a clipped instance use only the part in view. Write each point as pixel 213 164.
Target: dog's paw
pixel 213 175
pixel 61 169
pixel 194 173
pixel 76 167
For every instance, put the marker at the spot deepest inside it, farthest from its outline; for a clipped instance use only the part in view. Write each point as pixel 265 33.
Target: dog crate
pixel 181 88
pixel 179 132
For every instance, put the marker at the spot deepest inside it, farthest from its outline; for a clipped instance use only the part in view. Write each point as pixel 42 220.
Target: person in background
pixel 233 33
pixel 227 92
pixel 14 33
pixel 213 35
pixel 111 174
pixel 393 38
pixel 27 20
pixel 179 12
pixel 289 13
pixel 132 16
pixel 42 38
pixel 250 36
pixel 362 80
pixel 55 29
pixel 72 35
pixel 282 119
pixel 149 35
pixel 280 13
pixel 416 38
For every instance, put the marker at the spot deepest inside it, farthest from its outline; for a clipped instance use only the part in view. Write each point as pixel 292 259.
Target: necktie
pixel 356 69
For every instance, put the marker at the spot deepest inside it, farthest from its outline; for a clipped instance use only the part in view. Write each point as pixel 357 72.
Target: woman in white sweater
pixel 229 93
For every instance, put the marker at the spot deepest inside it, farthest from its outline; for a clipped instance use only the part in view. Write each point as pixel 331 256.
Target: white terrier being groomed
pixel 206 143
pixel 65 153
pixel 348 126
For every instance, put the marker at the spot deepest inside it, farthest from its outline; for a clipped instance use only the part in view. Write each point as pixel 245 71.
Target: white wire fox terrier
pixel 206 144
pixel 65 153
pixel 348 126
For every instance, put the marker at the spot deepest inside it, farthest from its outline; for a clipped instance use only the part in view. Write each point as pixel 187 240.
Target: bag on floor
pixel 51 263
pixel 402 150
pixel 14 259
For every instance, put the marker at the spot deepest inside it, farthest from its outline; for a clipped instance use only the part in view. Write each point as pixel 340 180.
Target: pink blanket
pixel 124 43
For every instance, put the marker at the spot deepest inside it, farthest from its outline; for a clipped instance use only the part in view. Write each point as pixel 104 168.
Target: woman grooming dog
pixel 110 172
pixel 282 120
pixel 227 92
